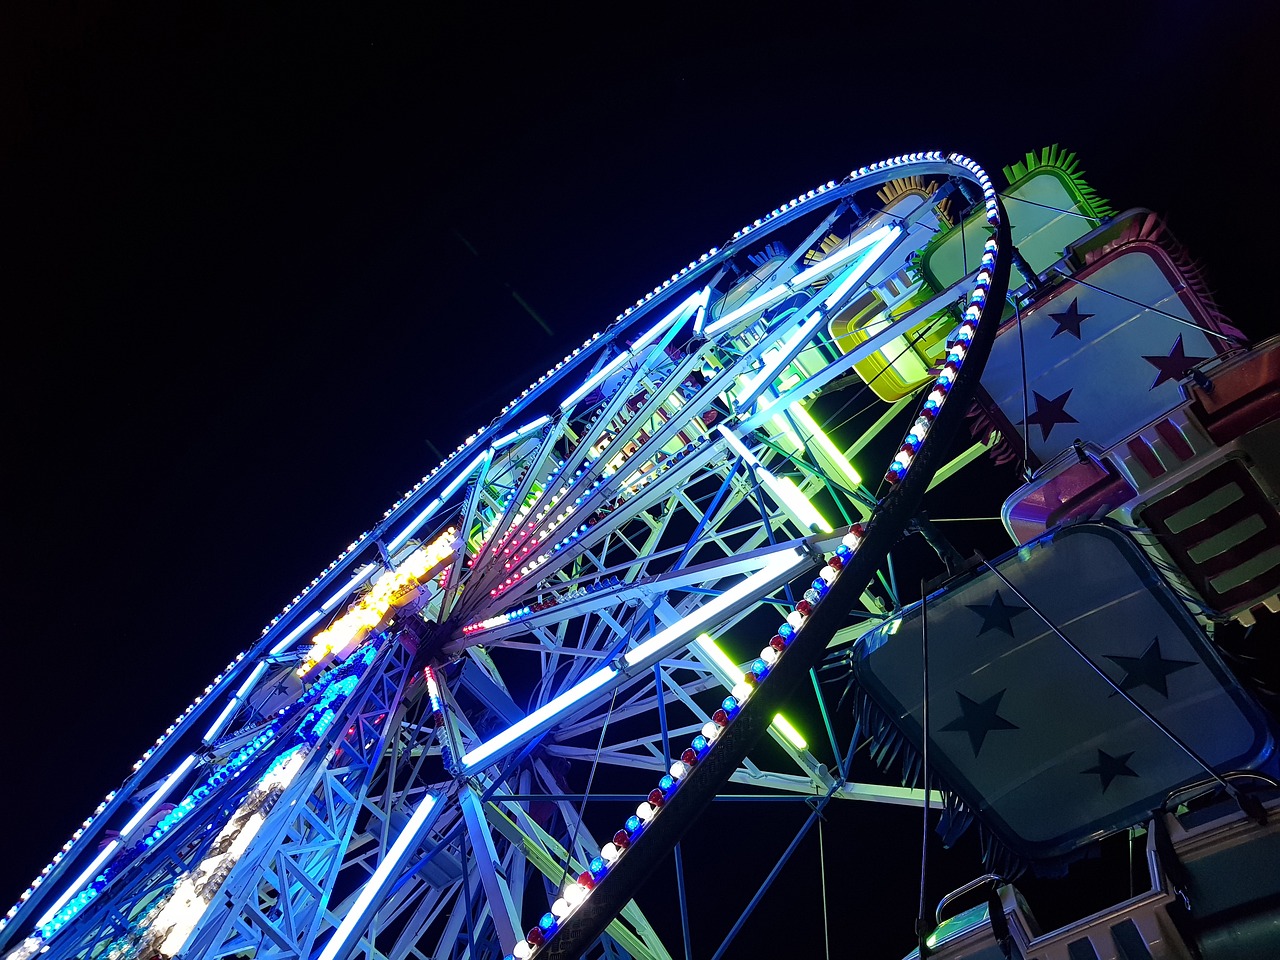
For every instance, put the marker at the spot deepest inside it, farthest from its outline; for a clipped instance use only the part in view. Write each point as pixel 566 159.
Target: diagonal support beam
pixel 506 914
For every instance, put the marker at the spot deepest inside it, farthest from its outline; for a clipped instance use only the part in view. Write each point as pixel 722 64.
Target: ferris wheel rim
pixel 288 626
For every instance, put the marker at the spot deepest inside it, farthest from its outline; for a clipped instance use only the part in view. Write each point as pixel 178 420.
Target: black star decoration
pixel 979 719
pixel 996 615
pixel 1149 670
pixel 1050 413
pixel 1069 320
pixel 1109 767
pixel 1173 367
pixel 281 687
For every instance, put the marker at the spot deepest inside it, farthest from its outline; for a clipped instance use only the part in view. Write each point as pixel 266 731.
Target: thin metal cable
pixel 924 760
pixel 1150 717
pixel 587 793
pixel 1026 437
pixel 822 866
pixel 1069 213
pixel 1234 341
pixel 909 344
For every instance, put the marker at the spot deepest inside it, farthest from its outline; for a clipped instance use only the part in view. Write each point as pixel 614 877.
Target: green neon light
pixel 732 673
pixel 834 453
pixel 794 498
pixel 781 724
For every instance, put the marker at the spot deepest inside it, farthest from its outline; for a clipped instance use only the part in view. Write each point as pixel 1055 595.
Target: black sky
pixel 242 308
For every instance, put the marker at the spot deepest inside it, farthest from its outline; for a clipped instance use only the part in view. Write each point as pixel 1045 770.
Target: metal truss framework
pixel 608 518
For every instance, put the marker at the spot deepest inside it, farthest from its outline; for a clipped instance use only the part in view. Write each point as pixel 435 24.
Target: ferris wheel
pixel 619 588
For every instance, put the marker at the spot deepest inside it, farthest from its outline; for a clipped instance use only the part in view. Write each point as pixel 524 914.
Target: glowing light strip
pixel 152 802
pixel 781 358
pixel 791 733
pixel 680 313
pixel 595 380
pixel 254 677
pixel 732 673
pixel 546 714
pixel 857 246
pixel 674 636
pixel 784 427
pixel 359 577
pixel 370 612
pixel 860 270
pixel 465 475
pixel 223 717
pixel 355 919
pixel 818 436
pixel 76 885
pixel 516 434
pixel 413 526
pixel 783 488
pixel 297 631
pixel 699 318
pixel 793 497
pixel 758 302
pixel 184 909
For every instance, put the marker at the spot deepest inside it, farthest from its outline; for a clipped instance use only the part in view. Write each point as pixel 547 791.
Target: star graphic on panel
pixel 996 615
pixel 1109 767
pixel 1173 367
pixel 1150 669
pixel 979 719
pixel 280 687
pixel 1069 320
pixel 1050 413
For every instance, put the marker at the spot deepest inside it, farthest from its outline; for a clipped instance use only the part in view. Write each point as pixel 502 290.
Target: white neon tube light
pixel 595 380
pixel 509 438
pixel 783 424
pixel 699 318
pixel 783 488
pixel 739 447
pixel 160 793
pixel 413 526
pixel 296 632
pixel 78 884
pixel 667 640
pixel 223 717
pixel 391 864
pixel 857 246
pixel 782 357
pixel 860 269
pixel 464 476
pixel 541 717
pixel 758 302
pixel 254 677
pixel 690 305
pixel 359 577
pixel 517 434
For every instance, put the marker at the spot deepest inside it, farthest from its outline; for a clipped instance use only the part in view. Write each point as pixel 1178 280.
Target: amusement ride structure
pixel 663 572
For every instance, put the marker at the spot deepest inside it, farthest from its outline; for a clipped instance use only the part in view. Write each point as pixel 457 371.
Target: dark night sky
pixel 239 314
